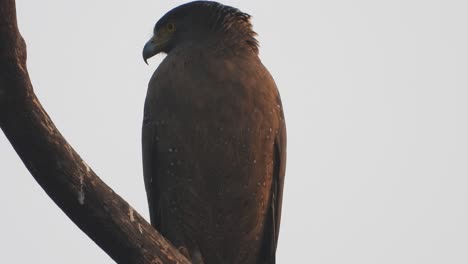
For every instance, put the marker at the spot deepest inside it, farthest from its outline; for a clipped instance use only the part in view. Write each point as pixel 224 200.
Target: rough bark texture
pixel 102 214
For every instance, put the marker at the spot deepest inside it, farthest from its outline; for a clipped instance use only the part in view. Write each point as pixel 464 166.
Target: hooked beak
pixel 151 48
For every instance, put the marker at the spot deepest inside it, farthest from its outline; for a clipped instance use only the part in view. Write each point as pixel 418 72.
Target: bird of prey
pixel 214 138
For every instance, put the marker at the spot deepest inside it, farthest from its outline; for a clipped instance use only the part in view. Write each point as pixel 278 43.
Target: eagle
pixel 213 137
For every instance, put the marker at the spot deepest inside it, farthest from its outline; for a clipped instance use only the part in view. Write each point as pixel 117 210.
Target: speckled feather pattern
pixel 214 150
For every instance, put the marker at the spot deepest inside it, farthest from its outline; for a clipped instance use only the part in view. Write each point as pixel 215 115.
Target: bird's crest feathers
pixel 220 17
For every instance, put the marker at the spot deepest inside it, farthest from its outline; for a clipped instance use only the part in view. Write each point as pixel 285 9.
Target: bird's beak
pixel 151 48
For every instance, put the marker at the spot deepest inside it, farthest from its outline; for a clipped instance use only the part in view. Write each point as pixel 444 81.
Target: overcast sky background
pixel 375 96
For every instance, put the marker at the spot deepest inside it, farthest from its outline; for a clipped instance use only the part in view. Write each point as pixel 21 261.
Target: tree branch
pixel 92 205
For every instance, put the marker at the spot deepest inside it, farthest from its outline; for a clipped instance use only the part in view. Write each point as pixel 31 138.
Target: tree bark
pixel 92 205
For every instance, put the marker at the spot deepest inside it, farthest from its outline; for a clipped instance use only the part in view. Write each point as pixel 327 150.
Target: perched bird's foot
pixel 185 252
pixel 194 256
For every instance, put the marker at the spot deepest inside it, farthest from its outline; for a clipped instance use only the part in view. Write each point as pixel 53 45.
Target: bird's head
pixel 200 21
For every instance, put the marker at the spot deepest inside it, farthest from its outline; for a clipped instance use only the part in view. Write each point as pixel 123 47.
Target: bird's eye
pixel 170 27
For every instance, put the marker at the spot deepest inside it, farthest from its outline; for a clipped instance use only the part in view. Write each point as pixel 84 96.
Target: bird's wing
pixel 272 224
pixel 279 174
pixel 149 148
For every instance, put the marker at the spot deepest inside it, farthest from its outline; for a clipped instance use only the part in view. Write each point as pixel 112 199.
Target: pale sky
pixel 375 96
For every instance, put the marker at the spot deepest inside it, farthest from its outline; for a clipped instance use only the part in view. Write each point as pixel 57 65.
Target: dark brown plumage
pixel 214 138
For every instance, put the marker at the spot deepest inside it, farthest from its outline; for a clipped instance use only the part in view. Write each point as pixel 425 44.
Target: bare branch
pixel 102 214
